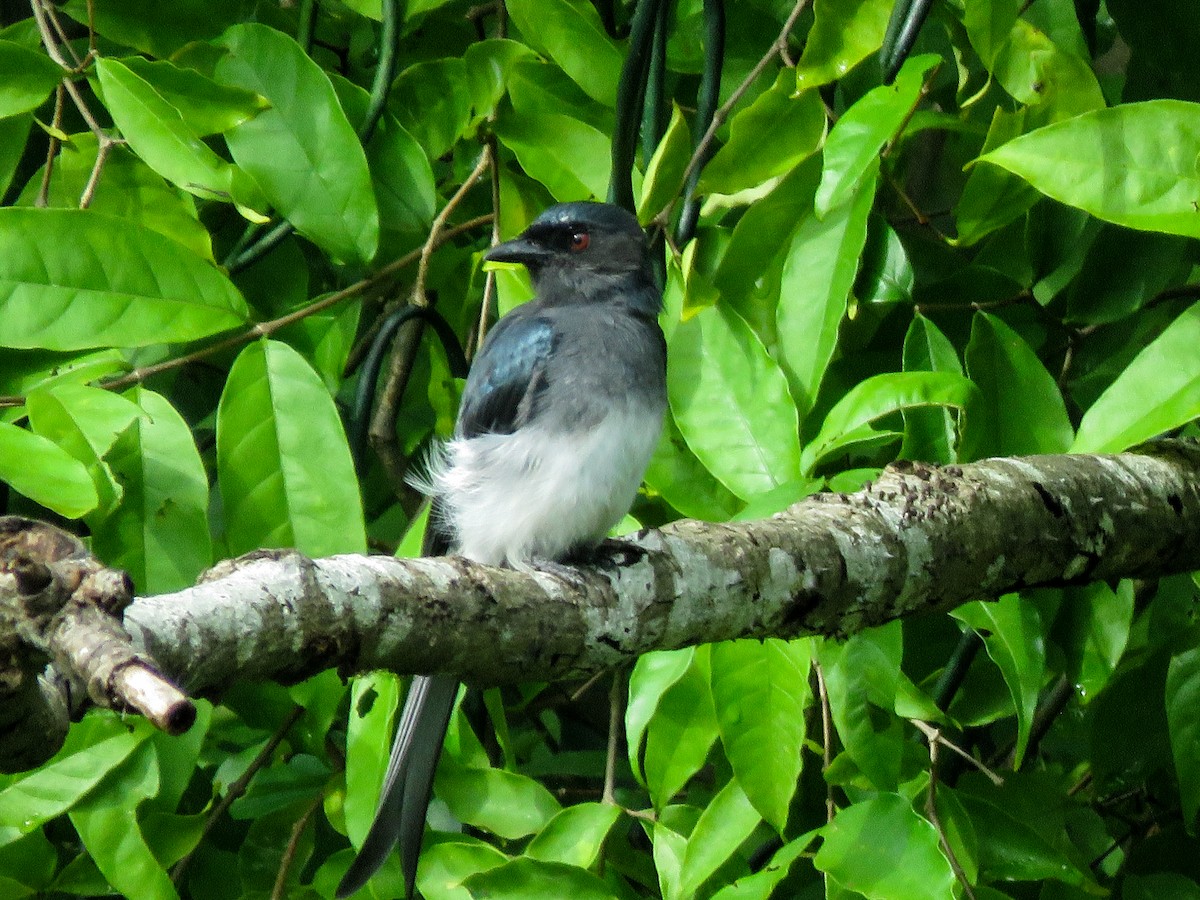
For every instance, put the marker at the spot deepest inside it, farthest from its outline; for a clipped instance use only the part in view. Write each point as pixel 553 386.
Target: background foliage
pixel 994 255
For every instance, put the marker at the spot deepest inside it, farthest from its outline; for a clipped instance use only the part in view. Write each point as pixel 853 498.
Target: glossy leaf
pixel 116 843
pixel 653 675
pixel 1093 628
pixel 159 135
pixel 818 273
pixel 676 474
pixel 373 703
pixel 905 859
pixel 1012 633
pixel 574 836
pixel 432 101
pixel 731 403
pixel 863 130
pixel 760 691
pixel 680 734
pixel 1035 70
pixel 882 395
pixel 1183 719
pixel 282 461
pixel 725 823
pixel 1015 390
pixel 302 151
pixel 445 866
pixel 130 189
pixel 60 784
pixel 159 533
pixel 759 885
pixel 796 123
pixel 993 197
pixel 26 78
pixel 1158 391
pixel 570 33
pixel 664 172
pixel 505 803
pixel 1131 164
pixel 537 880
pixel 574 166
pixel 844 33
pixel 45 473
pixel 206 106
pixel 929 433
pixel 157 29
pixel 14 132
pixel 72 279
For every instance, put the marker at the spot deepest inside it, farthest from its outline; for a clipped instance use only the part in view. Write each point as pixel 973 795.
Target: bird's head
pixel 578 240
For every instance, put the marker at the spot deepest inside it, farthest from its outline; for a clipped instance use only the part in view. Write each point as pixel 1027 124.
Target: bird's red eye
pixel 580 241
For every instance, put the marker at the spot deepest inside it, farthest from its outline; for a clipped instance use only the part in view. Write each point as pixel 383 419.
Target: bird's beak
pixel 519 250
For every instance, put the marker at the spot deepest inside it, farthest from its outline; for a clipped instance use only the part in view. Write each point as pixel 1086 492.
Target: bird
pixel 560 415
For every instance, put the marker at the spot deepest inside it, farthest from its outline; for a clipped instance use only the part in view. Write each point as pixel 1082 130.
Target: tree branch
pixel 920 539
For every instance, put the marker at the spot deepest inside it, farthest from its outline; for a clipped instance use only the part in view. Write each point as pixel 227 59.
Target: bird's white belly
pixel 534 494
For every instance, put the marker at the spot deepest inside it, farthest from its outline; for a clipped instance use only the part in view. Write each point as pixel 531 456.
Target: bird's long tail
pixel 404 800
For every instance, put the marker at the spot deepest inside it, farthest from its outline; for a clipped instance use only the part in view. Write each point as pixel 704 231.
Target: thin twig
pixel 89 189
pixel 778 46
pixel 826 737
pixel 382 431
pixel 293 844
pixel 238 788
pixel 614 730
pixel 912 111
pixel 489 281
pixel 934 734
pixel 931 811
pixel 43 196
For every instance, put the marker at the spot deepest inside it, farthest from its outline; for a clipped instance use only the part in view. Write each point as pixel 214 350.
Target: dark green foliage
pixel 993 255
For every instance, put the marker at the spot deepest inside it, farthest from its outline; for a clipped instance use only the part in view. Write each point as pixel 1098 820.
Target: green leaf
pixel 488 65
pixel 863 130
pixel 993 197
pixel 45 473
pixel 760 691
pixel 1023 410
pixel 1158 885
pixel 530 879
pixel 861 677
pixel 680 734
pixel 159 533
pixel 1132 164
pixel 988 25
pixel 1183 719
pixel 432 100
pixel 1093 627
pixel 726 822
pixel 1019 829
pixel 572 166
pixel 1039 73
pixel 574 836
pixel 107 825
pixel 796 124
pixel 818 274
pixel 60 784
pixel 653 675
pixel 283 464
pixel 1158 391
pixel 446 865
pixel 676 474
pixel 505 803
pixel 664 173
pixel 1011 629
pixel 760 885
pixel 369 729
pixel 881 395
pixel 155 28
pixel 26 78
pixel 570 33
pixel 731 403
pixel 162 139
pixel 669 848
pixel 130 189
pixel 929 432
pixel 14 132
pixel 905 859
pixel 302 151
pixel 71 279
pixel 206 106
pixel 845 32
